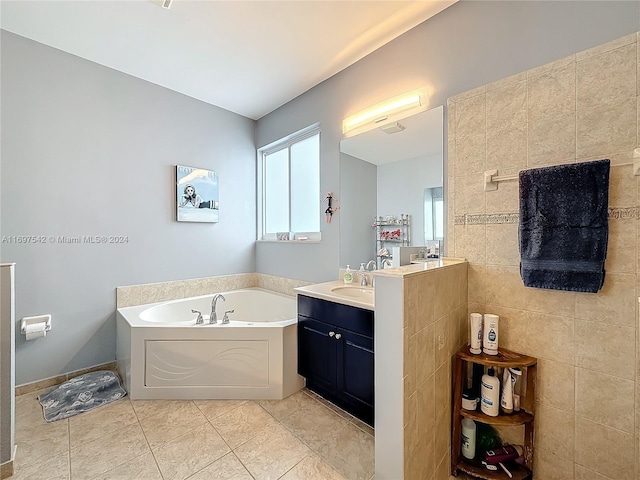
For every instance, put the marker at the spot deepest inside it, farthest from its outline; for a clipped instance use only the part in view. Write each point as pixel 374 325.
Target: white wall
pixel 467 45
pixel 401 190
pixel 87 150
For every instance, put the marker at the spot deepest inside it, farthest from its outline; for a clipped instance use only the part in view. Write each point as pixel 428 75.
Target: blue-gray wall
pixel 469 44
pixel 87 150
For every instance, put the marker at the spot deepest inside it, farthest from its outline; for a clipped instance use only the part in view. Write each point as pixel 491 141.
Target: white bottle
pixel 490 394
pixel 506 399
pixel 476 333
pixel 348 276
pixel 468 438
pixel 490 335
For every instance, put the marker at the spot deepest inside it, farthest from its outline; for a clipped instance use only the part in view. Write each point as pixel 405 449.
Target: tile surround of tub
pixel 579 108
pixel 129 296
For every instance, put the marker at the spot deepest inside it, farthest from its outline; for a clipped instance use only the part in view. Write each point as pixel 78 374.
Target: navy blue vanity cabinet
pixel 335 354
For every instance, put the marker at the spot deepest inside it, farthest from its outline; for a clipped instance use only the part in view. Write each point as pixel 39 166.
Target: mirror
pixel 387 173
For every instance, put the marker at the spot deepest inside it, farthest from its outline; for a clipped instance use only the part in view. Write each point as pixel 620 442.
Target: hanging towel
pixel 564 227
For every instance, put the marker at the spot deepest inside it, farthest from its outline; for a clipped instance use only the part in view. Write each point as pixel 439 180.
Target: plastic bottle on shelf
pixel 468 438
pixel 490 394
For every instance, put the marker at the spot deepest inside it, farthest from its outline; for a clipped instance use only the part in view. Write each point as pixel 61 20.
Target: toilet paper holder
pixel 46 319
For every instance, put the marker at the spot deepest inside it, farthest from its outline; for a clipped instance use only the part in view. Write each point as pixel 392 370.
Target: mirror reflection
pixel 386 172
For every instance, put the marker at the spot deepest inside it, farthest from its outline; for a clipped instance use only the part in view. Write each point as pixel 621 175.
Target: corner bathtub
pixel 163 354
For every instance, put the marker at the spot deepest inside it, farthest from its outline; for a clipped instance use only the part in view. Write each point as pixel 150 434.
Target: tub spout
pixel 213 318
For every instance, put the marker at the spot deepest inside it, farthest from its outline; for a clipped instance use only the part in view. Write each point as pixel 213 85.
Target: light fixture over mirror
pixel 385 112
pixel 386 174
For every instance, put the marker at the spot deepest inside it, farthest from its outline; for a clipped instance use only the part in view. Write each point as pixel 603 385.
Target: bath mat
pixel 81 394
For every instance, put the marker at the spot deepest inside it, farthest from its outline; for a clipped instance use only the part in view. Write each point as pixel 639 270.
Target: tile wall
pixel 579 108
pixel 435 313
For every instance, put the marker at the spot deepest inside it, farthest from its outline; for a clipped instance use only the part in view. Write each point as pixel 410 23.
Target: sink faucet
pixel 213 318
pixel 371 263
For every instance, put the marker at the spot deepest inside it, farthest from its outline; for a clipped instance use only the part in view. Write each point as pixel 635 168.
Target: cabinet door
pixel 317 354
pixel 355 373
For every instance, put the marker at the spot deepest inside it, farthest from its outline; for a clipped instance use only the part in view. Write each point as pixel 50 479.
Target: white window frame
pixel 262 153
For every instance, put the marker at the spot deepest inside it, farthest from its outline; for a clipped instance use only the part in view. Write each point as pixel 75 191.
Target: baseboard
pixel 6 469
pixel 58 379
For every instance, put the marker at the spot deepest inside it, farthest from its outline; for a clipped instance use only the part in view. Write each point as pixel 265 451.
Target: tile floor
pixel 302 437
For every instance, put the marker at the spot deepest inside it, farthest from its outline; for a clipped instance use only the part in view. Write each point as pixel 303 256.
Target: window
pixel 289 186
pixel 433 214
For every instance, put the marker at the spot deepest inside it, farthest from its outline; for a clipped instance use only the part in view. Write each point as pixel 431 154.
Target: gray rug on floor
pixel 81 394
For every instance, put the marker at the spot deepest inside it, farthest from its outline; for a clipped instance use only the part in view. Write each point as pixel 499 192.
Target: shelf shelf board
pixel 519 418
pixel 504 358
pixel 475 469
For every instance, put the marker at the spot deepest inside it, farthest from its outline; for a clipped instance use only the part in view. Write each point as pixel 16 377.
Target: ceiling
pixel 249 57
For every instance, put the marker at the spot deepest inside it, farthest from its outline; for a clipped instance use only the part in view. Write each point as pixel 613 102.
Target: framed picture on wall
pixel 196 195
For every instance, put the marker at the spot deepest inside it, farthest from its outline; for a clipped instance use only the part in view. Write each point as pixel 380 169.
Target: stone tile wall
pixel 435 316
pixel 579 108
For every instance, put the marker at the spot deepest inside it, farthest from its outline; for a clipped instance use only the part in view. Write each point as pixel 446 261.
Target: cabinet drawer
pixel 343 316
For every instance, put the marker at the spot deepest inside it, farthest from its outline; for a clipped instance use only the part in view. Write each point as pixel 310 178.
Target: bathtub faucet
pixel 213 318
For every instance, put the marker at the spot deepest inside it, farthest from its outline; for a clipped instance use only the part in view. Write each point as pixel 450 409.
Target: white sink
pixel 356 292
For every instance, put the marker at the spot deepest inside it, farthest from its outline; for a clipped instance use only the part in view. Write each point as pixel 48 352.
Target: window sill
pixel 288 241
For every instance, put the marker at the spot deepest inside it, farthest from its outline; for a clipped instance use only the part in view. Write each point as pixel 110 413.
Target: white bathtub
pixel 163 354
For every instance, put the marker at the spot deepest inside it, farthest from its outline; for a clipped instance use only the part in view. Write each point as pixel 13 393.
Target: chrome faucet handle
pixel 225 319
pixel 363 281
pixel 199 319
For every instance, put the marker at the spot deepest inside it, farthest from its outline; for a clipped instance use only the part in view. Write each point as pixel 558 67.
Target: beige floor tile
pixel 311 422
pixel 143 467
pixel 39 441
pixel 101 455
pixel 28 409
pixel 55 468
pixel 214 408
pixel 271 453
pixel 242 423
pixel 169 423
pixel 312 468
pixel 148 408
pixel 350 451
pixel 189 453
pixel 285 407
pixel 101 421
pixel 363 426
pixel 226 468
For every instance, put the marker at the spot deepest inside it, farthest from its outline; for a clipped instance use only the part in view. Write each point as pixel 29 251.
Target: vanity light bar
pixel 381 111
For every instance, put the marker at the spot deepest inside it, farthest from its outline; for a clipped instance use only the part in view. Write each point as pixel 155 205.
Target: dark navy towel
pixel 564 227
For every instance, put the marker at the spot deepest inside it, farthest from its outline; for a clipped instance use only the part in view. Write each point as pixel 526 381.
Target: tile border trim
pixel 614 213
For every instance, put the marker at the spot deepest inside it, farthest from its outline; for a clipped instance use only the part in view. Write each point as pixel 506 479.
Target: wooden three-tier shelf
pixel 526 415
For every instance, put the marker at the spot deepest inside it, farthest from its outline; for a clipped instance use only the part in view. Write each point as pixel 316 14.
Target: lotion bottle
pixel 468 438
pixel 490 334
pixel 506 400
pixel 490 394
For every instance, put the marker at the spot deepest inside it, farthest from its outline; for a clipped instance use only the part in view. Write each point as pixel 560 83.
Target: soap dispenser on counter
pixel 348 275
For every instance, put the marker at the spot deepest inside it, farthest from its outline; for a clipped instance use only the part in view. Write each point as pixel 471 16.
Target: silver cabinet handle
pixel 338 336
pixel 331 334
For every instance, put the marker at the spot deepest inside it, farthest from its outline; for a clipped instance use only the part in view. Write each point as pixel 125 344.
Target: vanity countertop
pixel 339 292
pixel 418 268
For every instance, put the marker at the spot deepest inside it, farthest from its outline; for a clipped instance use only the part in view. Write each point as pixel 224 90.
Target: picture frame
pixel 196 195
